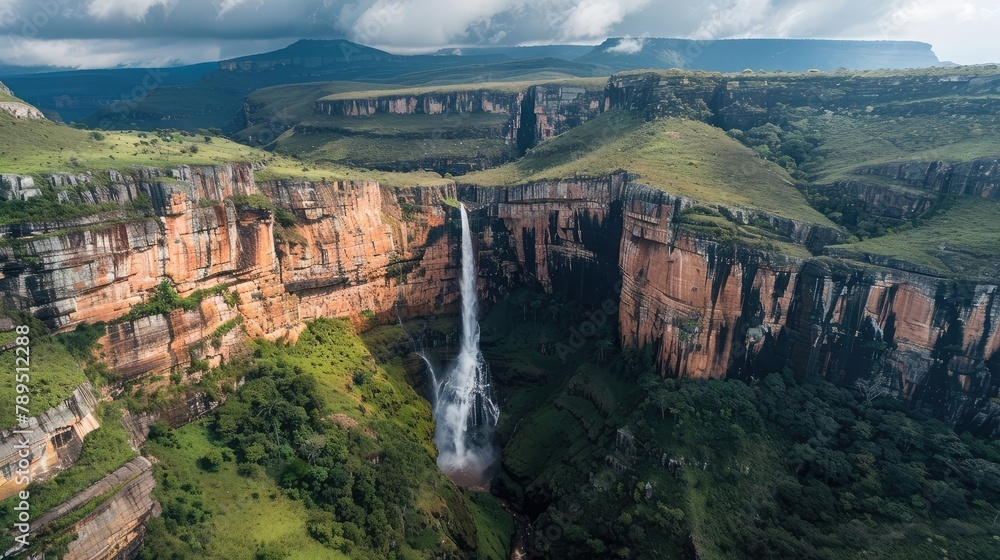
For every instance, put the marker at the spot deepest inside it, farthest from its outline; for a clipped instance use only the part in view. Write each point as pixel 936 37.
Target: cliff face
pixel 711 309
pixel 115 528
pixel 972 178
pixel 536 112
pixel 357 247
pixel 353 248
pixel 56 441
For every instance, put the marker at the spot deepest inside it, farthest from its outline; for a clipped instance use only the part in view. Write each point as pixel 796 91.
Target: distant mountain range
pixel 211 94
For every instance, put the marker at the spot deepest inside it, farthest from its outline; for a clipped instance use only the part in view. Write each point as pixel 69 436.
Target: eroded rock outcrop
pixel 535 113
pixel 55 442
pixel 115 528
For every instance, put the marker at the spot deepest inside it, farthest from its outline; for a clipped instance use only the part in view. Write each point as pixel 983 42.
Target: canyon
pixel 259 258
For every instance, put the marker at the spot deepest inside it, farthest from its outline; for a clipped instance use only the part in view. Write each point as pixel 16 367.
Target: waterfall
pixel 464 409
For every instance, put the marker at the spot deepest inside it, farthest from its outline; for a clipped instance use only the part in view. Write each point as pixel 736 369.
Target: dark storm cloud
pixel 110 32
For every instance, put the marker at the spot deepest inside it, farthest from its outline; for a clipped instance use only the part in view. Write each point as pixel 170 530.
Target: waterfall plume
pixel 465 412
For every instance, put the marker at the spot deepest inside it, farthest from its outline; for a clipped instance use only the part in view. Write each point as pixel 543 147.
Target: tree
pixel 871 389
pixel 604 348
pixel 663 398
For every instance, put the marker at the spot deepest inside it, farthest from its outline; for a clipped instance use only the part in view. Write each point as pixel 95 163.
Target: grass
pixel 274 109
pixel 247 513
pixel 850 141
pixel 388 141
pixel 41 147
pixel 962 238
pixel 682 157
pixel 55 374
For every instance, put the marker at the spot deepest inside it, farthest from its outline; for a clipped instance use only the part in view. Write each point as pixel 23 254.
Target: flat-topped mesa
pixel 745 100
pixel 536 112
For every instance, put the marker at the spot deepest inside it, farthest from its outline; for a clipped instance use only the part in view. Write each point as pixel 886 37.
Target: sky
pixel 109 33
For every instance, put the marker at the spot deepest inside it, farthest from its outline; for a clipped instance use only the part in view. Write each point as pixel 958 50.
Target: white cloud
pixel 128 9
pixel 594 19
pixel 628 45
pixel 224 6
pixel 960 30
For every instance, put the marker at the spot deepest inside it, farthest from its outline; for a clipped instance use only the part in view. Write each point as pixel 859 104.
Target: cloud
pixel 594 19
pixel 224 6
pixel 628 45
pixel 963 30
pixel 128 9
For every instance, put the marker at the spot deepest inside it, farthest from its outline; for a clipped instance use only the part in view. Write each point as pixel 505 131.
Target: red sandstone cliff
pixel 718 309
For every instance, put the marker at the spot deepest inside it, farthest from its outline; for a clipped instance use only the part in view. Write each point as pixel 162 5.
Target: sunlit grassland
pixel 41 147
pixel 682 157
pixel 499 87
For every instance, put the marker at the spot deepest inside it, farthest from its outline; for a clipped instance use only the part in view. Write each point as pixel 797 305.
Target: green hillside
pixel 31 147
pixel 960 239
pixel 683 157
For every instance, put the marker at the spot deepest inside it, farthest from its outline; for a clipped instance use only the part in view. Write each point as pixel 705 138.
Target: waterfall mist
pixel 465 412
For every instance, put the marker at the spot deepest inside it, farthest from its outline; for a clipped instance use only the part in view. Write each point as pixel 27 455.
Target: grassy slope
pixel 386 140
pixel 847 142
pixel 961 239
pixel 55 374
pixel 702 163
pixel 38 147
pixel 289 104
pixel 247 512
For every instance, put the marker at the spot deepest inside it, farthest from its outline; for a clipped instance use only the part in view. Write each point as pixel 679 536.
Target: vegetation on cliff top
pixel 685 158
pixel 55 373
pixel 961 239
pixel 458 142
pixel 40 147
pixel 472 87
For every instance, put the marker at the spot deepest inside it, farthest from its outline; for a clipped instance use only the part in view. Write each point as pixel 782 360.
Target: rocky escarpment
pixel 536 113
pixel 17 108
pixel 979 177
pixel 53 443
pixel 718 309
pixel 115 528
pixel 355 247
pixel 748 100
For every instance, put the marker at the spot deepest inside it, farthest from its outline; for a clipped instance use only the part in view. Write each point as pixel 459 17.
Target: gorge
pixel 741 255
